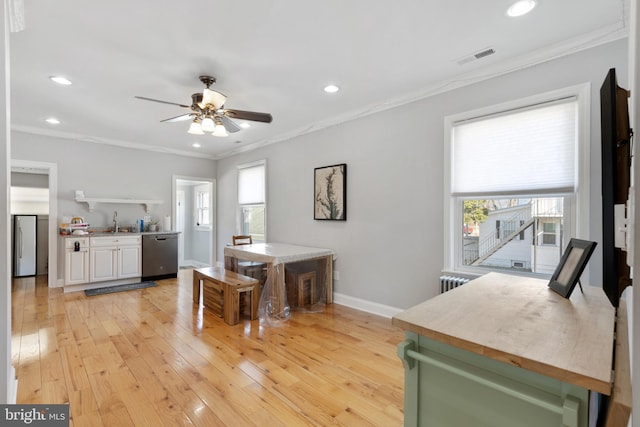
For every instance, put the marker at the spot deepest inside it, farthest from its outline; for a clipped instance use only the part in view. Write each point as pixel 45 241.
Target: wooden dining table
pixel 276 256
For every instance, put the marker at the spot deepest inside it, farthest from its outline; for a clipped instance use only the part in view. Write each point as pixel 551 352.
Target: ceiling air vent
pixel 477 55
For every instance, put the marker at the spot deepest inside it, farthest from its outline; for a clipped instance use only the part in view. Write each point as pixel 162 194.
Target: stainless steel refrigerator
pixel 24 245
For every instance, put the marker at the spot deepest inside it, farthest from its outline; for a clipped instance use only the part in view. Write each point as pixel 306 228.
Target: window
pixel 549 233
pixel 252 200
pixel 202 210
pixel 518 183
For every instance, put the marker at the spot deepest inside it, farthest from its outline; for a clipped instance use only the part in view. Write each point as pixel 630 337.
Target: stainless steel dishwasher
pixel 159 256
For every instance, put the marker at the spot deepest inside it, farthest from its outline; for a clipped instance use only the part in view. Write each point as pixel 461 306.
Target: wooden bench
pixel 221 291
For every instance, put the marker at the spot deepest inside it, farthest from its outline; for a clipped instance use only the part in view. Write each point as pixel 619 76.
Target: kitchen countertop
pixel 109 233
pixel 520 321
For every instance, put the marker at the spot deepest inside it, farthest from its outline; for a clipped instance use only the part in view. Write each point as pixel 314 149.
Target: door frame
pixel 50 169
pixel 212 203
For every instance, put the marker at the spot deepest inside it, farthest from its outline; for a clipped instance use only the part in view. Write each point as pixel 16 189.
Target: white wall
pixel 110 172
pixel 7 373
pixel 390 248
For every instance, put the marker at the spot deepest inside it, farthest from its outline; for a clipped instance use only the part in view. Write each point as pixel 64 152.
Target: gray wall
pixel 390 248
pixel 108 172
pixel 389 251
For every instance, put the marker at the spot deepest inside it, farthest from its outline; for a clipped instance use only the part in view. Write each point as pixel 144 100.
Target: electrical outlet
pixel 336 275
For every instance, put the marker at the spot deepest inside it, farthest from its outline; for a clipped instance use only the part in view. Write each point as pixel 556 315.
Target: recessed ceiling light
pixel 195 145
pixel 61 80
pixel 245 125
pixel 331 89
pixel 521 7
pixel 52 121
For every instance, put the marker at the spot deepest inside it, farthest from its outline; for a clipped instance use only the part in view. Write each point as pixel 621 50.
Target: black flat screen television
pixel 616 172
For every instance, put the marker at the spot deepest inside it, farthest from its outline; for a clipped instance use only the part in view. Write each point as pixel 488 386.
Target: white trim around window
pixel 577 206
pixel 252 200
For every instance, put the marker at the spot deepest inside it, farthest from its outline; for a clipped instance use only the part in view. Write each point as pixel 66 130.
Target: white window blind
pixel 251 185
pixel 527 151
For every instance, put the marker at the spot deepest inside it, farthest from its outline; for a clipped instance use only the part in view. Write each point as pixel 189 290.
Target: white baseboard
pixel 364 305
pixel 196 264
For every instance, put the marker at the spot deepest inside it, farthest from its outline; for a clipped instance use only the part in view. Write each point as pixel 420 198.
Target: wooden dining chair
pixel 242 240
pixel 253 269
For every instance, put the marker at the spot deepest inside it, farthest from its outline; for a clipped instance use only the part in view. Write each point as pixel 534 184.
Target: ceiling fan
pixel 208 113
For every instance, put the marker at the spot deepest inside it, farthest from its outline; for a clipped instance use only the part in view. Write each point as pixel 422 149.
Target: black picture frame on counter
pixel 571 266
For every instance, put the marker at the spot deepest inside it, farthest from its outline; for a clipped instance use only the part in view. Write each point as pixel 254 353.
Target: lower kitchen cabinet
pixel 113 258
pixel 129 261
pixel 76 268
pixel 104 263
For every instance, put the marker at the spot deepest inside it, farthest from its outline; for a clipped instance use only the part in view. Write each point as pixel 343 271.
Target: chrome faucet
pixel 115 221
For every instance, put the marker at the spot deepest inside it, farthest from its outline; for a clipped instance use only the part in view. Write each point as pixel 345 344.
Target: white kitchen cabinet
pixel 115 257
pixel 104 263
pixel 129 261
pixel 76 269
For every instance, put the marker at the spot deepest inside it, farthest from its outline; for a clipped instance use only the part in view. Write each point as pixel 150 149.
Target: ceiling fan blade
pixel 229 125
pixel 162 102
pixel 180 118
pixel 248 115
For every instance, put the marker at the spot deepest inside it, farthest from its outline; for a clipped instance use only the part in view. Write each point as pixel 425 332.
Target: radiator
pixel 449 282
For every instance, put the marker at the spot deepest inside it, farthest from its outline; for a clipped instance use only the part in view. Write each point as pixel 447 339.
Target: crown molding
pixel 586 41
pixel 106 141
pixel 568 47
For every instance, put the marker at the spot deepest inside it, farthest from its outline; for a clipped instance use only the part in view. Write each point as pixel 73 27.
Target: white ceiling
pixel 271 56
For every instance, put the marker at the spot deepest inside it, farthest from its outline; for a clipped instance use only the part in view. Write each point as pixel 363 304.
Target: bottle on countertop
pixel 142 225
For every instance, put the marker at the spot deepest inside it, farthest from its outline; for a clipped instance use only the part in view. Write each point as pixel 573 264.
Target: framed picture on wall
pixel 573 262
pixel 330 193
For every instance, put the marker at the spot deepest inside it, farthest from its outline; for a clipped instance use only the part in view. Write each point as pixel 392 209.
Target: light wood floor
pixel 150 358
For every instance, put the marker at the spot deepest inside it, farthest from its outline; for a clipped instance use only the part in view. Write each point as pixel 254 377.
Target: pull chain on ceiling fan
pixel 208 112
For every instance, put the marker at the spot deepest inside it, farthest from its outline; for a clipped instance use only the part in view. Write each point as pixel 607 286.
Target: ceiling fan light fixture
pixel 195 128
pixel 208 125
pixel 220 131
pixel 520 8
pixel 211 97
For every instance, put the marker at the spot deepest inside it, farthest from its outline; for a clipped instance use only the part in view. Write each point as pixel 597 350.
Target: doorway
pixel 193 217
pixel 48 251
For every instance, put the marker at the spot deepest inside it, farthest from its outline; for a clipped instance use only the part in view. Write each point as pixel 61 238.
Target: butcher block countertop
pixel 521 321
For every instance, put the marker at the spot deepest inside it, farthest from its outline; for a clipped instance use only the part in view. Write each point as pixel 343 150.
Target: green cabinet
pixel 449 387
pixel 508 351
